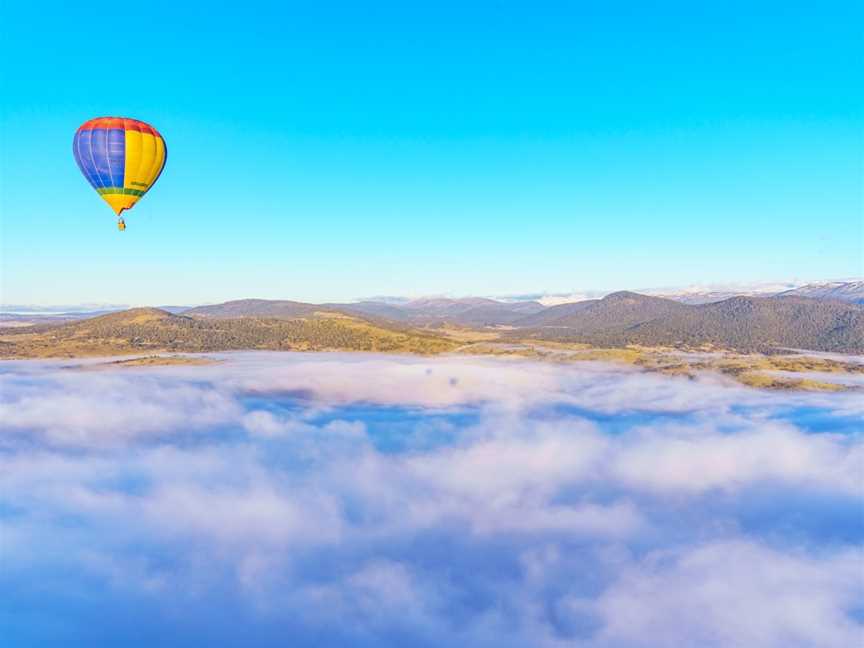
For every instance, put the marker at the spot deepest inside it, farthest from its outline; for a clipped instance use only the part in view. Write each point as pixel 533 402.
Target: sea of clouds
pixel 366 500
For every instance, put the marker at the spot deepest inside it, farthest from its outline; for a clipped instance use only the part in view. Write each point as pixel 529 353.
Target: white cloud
pixel 735 593
pixel 499 469
pixel 769 453
pixel 82 408
pixel 532 504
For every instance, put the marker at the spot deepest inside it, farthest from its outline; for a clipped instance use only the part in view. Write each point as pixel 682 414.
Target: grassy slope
pixel 148 330
pixel 753 370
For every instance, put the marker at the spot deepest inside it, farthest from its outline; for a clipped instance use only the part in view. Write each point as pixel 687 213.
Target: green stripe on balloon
pixel 120 190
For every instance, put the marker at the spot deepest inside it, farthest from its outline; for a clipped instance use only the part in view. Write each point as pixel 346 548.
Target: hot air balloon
pixel 121 158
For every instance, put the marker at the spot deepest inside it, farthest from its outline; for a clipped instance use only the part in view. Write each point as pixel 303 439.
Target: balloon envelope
pixel 120 157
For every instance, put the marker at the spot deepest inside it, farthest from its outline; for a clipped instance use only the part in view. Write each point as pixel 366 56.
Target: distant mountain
pixel 468 312
pixel 44 318
pixel 374 309
pixel 618 310
pixel 715 293
pixel 739 323
pixel 850 291
pixel 279 308
pixel 710 297
pixel 150 330
pixel 31 309
pixel 555 299
pixel 471 311
pixel 476 311
pixel 847 291
pixel 21 315
pixel 557 315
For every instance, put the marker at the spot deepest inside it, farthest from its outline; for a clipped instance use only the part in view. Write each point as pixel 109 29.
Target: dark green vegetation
pixel 740 323
pixel 618 310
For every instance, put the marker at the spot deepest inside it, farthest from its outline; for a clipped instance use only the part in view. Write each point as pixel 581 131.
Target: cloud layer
pixel 332 500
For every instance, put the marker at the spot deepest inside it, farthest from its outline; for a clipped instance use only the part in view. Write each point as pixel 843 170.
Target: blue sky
pixel 347 150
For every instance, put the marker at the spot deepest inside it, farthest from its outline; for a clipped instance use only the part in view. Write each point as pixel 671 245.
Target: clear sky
pixel 324 151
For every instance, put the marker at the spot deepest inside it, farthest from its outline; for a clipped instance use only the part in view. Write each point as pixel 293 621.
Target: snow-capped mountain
pixel 847 291
pixel 707 294
pixel 851 290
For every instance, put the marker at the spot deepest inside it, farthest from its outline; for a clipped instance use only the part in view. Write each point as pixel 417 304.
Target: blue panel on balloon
pixel 109 153
pixel 117 155
pixel 81 149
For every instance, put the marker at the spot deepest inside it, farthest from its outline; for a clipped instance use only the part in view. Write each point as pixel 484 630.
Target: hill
pixel 255 308
pixel 739 323
pixel 551 315
pixel 759 323
pixel 615 311
pixel 150 329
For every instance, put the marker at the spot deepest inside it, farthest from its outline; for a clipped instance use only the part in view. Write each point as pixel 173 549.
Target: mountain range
pixel 437 325
pixel 477 311
pixel 472 311
pixel 739 323
pixel 847 291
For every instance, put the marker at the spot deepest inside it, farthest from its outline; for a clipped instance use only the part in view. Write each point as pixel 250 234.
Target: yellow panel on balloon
pixel 158 160
pixel 119 202
pixel 133 158
pixel 139 176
